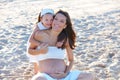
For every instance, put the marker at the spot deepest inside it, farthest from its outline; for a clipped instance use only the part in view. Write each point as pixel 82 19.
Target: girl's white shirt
pixel 41 26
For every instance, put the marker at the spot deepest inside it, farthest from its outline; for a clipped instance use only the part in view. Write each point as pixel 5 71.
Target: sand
pixel 97 25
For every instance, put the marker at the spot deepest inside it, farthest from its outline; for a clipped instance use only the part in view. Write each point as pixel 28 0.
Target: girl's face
pixel 47 20
pixel 59 22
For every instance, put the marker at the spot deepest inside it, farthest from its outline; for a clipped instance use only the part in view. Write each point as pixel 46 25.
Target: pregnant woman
pixel 51 63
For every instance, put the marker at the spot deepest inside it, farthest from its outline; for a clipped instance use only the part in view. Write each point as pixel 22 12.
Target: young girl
pixel 44 22
pixel 45 19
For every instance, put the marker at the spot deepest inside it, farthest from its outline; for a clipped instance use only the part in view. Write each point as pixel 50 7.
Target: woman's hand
pixel 59 75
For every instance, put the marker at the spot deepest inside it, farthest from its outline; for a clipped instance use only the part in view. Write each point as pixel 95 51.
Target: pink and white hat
pixel 45 11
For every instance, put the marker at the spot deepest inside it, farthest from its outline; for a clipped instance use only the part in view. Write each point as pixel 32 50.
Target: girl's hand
pixel 43 48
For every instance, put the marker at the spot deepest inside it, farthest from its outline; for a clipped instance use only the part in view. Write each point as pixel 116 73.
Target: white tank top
pixel 53 53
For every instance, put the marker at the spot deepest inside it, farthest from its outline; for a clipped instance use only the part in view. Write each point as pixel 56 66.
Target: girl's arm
pixel 34 44
pixel 32 40
pixel 33 51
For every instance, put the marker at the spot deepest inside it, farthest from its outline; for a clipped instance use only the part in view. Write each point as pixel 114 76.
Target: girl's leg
pixel 38 77
pixel 36 67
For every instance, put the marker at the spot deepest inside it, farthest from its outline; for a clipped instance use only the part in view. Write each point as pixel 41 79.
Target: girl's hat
pixel 45 11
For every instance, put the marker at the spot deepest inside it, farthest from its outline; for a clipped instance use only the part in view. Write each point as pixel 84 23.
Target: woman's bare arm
pixel 70 58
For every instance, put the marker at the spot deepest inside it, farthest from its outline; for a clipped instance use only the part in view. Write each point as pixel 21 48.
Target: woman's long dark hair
pixel 67 33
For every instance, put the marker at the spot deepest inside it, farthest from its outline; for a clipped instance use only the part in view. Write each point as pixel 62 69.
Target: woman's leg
pixel 86 76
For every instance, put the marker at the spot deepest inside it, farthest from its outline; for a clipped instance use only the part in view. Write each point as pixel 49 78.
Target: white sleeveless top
pixel 53 53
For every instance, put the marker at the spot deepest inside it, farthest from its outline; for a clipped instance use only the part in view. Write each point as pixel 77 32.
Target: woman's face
pixel 59 22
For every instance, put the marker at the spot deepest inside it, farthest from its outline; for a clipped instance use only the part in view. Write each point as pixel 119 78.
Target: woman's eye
pixel 62 21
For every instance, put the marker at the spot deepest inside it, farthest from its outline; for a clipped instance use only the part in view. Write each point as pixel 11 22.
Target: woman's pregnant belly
pixel 51 66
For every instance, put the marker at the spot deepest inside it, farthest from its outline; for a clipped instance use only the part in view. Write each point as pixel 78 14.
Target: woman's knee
pixel 86 76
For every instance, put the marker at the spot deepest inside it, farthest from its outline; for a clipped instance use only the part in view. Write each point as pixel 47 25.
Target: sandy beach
pixel 96 23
